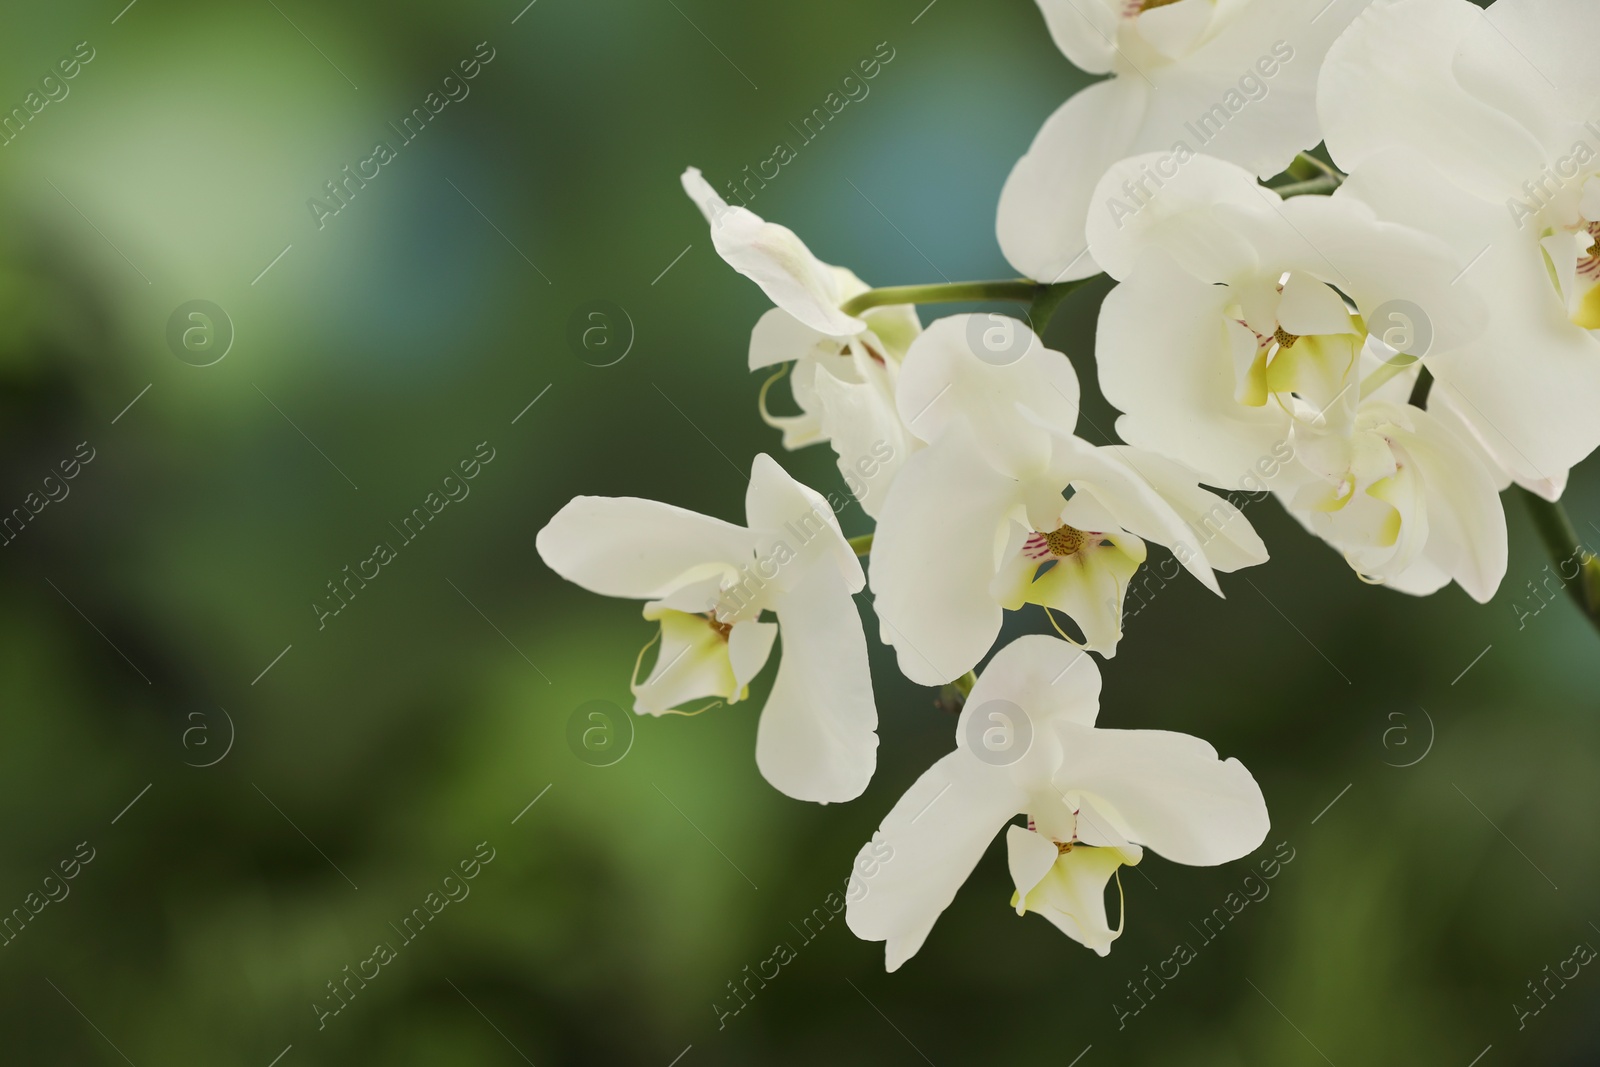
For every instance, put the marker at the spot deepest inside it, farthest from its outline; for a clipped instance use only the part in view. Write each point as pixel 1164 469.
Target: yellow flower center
pixel 1066 541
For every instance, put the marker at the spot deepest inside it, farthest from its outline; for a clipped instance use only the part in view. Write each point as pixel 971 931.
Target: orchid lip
pixel 1059 543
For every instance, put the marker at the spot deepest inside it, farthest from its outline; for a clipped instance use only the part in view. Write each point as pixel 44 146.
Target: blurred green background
pixel 141 615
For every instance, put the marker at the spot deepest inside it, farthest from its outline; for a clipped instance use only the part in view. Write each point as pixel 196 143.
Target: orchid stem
pixel 1420 391
pixel 1043 298
pixel 953 695
pixel 1556 530
pixel 862 544
pixel 1306 165
pixel 1049 299
pixel 950 293
pixel 1321 186
pixel 1312 177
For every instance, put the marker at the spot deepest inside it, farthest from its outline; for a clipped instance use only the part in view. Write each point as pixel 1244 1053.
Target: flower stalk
pixel 1042 299
pixel 1306 165
pixel 1312 177
pixel 953 695
pixel 1561 539
pixel 1322 185
pixel 1420 391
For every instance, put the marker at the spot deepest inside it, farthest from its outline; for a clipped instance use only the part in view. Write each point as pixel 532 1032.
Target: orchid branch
pixel 1561 539
pixel 1306 165
pixel 1040 296
pixel 1320 186
pixel 1420 391
pixel 1312 177
pixel 1020 289
pixel 953 695
pixel 1049 299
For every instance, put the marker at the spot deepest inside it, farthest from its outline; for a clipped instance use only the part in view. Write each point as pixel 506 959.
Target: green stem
pixel 1559 537
pixel 1306 165
pixel 1043 299
pixel 1420 391
pixel 953 695
pixel 1020 290
pixel 1322 186
pixel 1049 299
pixel 862 544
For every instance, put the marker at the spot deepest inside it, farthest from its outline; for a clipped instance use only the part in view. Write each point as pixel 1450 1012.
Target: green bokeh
pixel 383 747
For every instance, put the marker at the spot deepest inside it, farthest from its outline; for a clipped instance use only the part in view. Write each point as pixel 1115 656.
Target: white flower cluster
pixel 1253 342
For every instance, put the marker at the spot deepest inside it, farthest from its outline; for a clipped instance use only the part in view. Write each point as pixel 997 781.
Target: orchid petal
pixel 1168 791
pixel 776 260
pixel 936 833
pixel 639 549
pixel 817 739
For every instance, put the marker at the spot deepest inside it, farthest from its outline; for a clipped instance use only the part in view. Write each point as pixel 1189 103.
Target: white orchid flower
pixel 1229 345
pixel 981 520
pixel 708 583
pixel 1235 79
pixel 1095 798
pixel 844 367
pixel 1403 497
pixel 1482 127
pixel 1230 326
